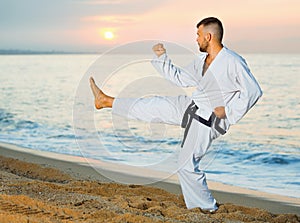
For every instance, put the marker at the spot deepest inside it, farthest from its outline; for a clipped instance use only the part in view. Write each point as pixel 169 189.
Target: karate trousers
pixel 170 110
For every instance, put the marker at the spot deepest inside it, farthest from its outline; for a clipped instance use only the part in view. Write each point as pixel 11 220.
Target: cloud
pixel 107 2
pixel 99 2
pixel 121 7
pixel 113 2
pixel 111 19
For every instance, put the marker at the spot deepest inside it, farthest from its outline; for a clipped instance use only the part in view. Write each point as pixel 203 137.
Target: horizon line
pixel 62 52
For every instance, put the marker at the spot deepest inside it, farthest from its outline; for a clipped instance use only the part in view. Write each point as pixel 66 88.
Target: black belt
pixel 190 114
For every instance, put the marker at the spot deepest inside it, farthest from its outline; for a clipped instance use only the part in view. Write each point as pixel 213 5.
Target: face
pixel 201 40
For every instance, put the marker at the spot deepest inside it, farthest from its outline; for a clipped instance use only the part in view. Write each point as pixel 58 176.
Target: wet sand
pixel 45 187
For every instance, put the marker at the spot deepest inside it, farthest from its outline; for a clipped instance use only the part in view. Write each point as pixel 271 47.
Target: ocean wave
pixel 266 158
pixel 109 158
pixel 218 172
pixel 35 135
pixel 133 141
pixel 26 124
pixel 6 119
pixel 280 159
pixel 10 121
pixel 294 183
pixel 62 136
pixel 256 154
pixel 146 150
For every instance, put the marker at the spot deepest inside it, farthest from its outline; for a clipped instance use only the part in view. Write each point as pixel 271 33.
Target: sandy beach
pixel 47 187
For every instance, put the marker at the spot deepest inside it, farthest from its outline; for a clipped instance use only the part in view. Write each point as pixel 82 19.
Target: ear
pixel 208 36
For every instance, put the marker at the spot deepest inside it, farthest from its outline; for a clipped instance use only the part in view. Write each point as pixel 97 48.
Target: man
pixel 225 91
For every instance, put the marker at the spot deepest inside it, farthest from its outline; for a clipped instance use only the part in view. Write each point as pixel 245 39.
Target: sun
pixel 109 35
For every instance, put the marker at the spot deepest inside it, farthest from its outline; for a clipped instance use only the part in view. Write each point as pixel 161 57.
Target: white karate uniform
pixel 227 82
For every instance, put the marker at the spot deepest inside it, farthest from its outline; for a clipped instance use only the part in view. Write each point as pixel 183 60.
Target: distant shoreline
pixel 33 52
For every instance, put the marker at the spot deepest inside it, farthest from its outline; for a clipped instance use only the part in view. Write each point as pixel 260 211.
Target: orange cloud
pixel 111 19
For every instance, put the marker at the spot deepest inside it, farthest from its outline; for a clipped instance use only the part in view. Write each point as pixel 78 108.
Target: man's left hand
pixel 220 112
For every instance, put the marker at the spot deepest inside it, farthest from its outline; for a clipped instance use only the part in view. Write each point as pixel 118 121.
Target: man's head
pixel 210 30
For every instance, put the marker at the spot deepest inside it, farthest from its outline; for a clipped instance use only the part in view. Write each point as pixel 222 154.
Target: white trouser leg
pixel 167 110
pixel 192 178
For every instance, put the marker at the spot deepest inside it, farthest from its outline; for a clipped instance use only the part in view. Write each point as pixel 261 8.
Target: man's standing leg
pixel 192 178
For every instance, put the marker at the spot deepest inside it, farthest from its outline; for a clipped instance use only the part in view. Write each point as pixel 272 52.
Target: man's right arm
pixel 167 69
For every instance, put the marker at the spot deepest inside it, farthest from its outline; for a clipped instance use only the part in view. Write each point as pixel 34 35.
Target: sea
pixel 46 105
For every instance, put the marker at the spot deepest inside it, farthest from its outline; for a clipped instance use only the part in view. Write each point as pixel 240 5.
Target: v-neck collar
pixel 213 62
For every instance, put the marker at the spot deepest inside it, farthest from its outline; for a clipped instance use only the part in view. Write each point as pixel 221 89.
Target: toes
pixel 92 81
pixel 94 87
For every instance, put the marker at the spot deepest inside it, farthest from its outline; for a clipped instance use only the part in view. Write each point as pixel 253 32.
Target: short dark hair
pixel 213 21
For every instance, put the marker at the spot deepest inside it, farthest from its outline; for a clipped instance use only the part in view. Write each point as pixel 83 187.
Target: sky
pixel 258 26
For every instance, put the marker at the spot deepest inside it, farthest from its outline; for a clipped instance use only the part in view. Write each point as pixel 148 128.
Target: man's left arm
pixel 248 94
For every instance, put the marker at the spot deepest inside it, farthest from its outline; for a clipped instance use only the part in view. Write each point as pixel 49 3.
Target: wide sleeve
pixel 246 96
pixel 183 77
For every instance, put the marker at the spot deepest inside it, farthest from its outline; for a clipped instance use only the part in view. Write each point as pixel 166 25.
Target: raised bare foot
pixel 101 100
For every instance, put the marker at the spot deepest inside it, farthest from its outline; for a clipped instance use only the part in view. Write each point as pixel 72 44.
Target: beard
pixel 203 47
